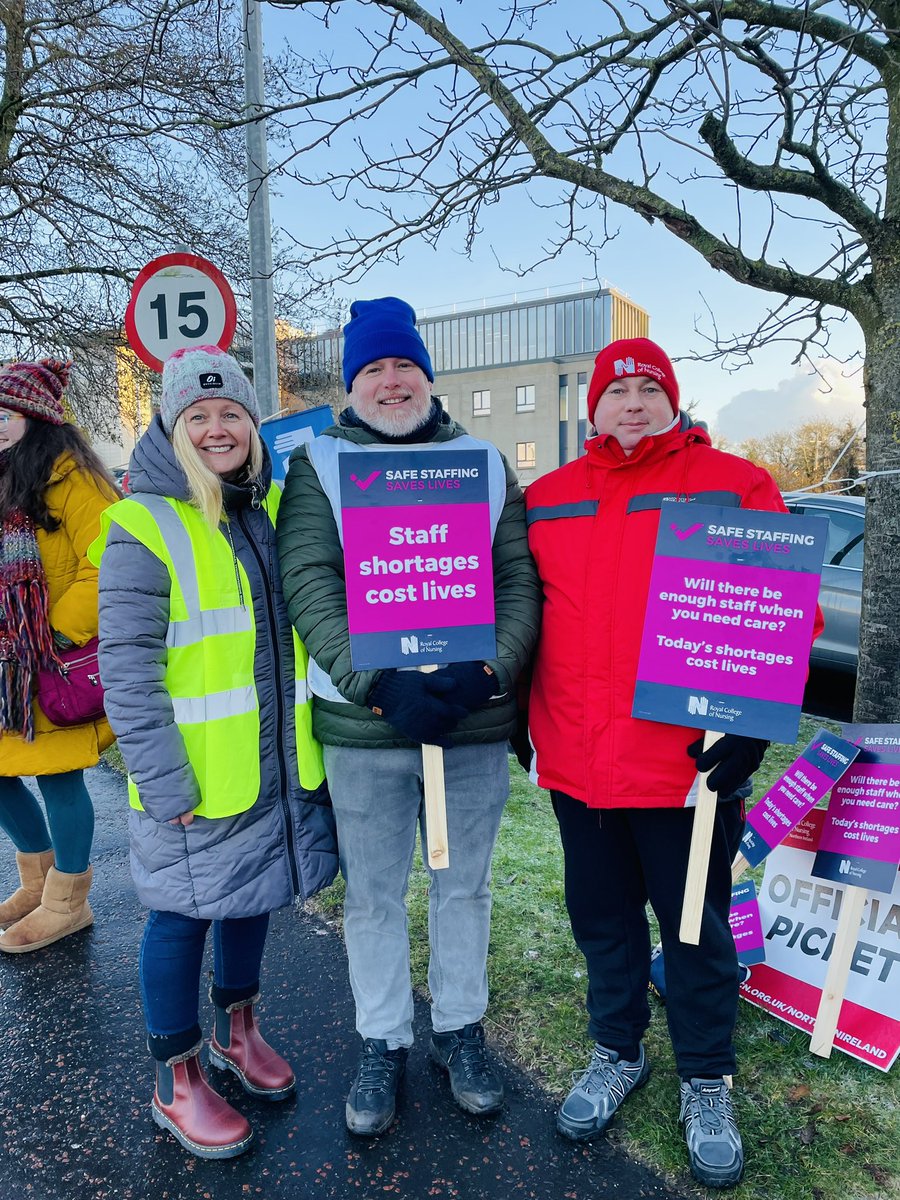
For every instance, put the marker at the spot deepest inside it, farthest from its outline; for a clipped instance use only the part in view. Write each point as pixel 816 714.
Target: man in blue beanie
pixel 373 724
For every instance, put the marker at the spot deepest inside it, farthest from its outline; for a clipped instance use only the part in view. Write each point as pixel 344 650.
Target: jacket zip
pixel 279 708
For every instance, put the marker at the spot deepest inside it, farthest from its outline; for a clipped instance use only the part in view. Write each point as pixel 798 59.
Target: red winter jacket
pixel 592 531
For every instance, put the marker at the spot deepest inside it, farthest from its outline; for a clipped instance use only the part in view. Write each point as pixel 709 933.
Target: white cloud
pixel 835 394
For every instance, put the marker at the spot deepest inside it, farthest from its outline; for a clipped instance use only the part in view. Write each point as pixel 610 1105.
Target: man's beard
pixel 399 424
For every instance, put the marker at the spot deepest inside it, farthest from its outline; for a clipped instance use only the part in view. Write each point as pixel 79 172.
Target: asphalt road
pixel 77 1082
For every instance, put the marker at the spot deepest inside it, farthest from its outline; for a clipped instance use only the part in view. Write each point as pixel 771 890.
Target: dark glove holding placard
pixel 730 761
pixel 474 684
pixel 418 705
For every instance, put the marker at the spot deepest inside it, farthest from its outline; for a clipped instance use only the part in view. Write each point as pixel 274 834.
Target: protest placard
pixel 746 925
pixel 284 432
pixel 726 638
pixel 729 619
pixel 800 916
pixel 417 538
pixel 809 777
pixel 859 846
pixel 417 557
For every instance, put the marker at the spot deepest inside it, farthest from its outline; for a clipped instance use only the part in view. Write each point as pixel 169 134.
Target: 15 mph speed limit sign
pixel 179 300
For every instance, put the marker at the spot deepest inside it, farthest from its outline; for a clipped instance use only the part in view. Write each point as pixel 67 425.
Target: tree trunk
pixel 878 681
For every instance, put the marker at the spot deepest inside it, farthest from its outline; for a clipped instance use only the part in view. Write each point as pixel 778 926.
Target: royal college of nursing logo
pixel 698 705
pixel 409 645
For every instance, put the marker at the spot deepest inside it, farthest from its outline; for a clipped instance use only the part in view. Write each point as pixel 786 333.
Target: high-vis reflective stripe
pixel 190 710
pixel 208 624
pixel 211 642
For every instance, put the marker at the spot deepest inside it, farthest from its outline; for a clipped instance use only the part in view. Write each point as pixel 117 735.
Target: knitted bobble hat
pixel 203 373
pixel 35 389
pixel 632 356
pixel 384 328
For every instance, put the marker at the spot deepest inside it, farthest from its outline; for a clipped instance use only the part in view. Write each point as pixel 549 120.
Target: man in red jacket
pixel 623 789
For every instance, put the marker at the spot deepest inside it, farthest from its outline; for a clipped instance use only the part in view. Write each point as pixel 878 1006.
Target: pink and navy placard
pixel 746 924
pixel 417 557
pixel 729 619
pixel 860 841
pixel 810 777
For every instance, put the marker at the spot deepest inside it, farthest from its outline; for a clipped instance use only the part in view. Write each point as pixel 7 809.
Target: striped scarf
pixel 26 641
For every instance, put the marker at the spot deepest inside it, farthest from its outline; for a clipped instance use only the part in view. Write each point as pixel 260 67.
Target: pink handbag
pixel 74 696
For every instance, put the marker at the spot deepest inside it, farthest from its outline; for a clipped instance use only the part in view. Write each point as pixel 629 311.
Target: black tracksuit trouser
pixel 615 861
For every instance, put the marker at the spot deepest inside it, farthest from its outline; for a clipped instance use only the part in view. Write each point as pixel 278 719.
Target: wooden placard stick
pixel 738 867
pixel 438 849
pixel 845 940
pixel 698 859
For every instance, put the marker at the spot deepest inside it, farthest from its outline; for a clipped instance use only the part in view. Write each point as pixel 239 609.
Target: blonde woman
pixel 205 686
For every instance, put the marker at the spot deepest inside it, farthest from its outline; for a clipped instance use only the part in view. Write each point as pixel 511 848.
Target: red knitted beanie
pixel 632 356
pixel 35 389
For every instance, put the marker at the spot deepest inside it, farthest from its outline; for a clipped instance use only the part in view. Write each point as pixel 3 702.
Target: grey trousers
pixel 378 800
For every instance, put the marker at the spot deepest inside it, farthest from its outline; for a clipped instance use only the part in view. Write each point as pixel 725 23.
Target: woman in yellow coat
pixel 53 489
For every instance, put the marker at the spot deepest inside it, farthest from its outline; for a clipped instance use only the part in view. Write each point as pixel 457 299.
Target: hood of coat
pixel 155 470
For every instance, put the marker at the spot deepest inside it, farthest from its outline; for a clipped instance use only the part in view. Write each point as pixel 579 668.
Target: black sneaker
pixel 599 1092
pixel 713 1141
pixel 373 1098
pixel 475 1085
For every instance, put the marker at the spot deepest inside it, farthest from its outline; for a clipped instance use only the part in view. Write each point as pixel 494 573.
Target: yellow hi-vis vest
pixel 211 642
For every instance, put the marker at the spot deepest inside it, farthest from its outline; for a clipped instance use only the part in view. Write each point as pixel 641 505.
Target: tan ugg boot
pixel 63 910
pixel 25 899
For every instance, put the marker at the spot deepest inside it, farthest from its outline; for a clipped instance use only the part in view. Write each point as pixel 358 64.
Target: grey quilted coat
pixel 284 846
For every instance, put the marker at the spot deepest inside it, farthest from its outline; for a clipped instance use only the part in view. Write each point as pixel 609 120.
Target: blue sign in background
pixel 283 435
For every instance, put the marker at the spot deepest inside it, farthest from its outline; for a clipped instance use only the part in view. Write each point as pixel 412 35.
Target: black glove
pixel 474 684
pixel 730 761
pixel 417 705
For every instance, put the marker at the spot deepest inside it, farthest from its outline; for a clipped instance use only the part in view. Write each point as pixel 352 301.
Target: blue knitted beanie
pixel 384 328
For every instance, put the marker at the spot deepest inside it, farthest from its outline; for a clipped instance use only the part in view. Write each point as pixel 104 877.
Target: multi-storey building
pixel 514 371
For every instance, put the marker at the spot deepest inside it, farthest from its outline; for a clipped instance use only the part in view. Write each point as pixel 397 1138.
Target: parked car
pixel 841 590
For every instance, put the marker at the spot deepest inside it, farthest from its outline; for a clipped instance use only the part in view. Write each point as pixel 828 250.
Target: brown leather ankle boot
pixel 33 870
pixel 201 1120
pixel 237 1045
pixel 63 910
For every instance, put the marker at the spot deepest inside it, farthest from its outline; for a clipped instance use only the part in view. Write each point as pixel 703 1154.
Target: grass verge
pixel 813 1129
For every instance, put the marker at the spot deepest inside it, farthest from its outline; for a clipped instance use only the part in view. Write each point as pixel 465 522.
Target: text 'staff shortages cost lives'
pixel 417 533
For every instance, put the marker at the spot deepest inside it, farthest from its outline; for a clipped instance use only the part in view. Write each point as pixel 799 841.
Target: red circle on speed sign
pixel 179 300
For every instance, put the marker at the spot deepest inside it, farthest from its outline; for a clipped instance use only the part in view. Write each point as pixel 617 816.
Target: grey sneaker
pixel 598 1093
pixel 714 1144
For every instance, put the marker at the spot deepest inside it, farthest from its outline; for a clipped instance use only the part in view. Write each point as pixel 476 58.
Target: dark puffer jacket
pixel 284 845
pixel 312 568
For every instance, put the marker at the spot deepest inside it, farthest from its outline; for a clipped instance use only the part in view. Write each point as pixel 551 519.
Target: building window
pixel 481 404
pixel 525 398
pixel 582 395
pixel 563 397
pixel 445 402
pixel 525 457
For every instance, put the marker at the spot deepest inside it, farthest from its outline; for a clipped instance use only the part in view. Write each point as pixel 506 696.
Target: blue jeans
pixel 170 963
pixel 70 815
pixel 378 801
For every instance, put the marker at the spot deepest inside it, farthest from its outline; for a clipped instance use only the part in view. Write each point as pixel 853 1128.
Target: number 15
pixel 186 308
